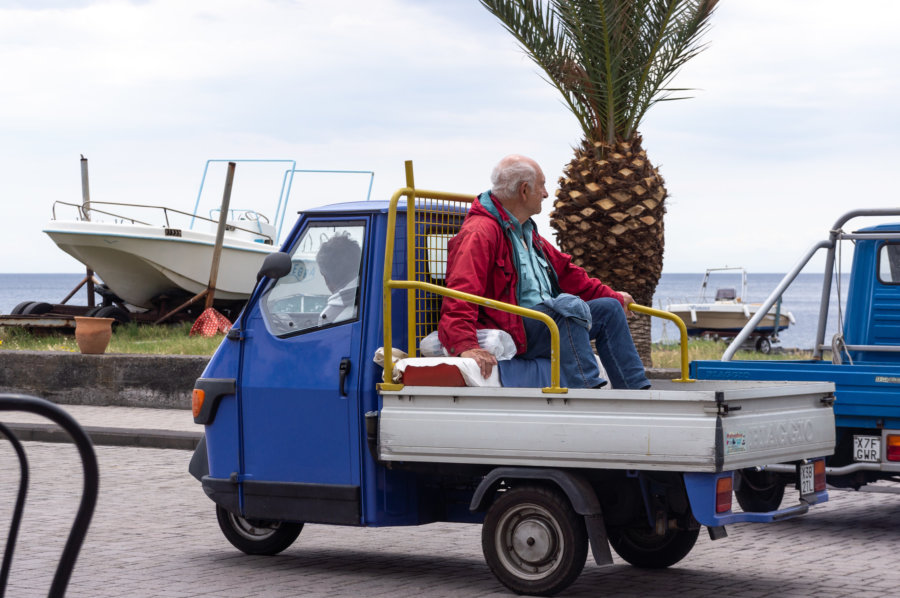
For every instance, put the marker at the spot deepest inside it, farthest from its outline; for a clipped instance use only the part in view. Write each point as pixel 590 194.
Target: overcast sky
pixel 794 118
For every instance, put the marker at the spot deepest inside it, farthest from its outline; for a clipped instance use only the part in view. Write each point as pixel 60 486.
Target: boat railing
pixel 83 210
pixel 698 300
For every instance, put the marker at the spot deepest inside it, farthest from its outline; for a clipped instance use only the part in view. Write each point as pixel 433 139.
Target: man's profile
pixel 338 259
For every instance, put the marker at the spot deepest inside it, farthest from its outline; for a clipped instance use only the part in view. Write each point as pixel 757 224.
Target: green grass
pixel 175 340
pixel 669 355
pixel 127 338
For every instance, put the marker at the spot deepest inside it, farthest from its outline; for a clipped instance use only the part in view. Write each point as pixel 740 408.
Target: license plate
pixel 867 449
pixel 807 479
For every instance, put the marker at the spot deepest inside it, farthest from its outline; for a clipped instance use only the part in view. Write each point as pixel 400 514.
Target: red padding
pixel 442 374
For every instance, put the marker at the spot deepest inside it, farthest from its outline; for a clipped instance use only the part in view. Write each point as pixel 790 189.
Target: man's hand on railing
pixel 484 358
pixel 628 301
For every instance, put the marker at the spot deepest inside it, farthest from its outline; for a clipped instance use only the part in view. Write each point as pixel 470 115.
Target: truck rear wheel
pixel 533 541
pixel 257 537
pixel 759 491
pixel 646 549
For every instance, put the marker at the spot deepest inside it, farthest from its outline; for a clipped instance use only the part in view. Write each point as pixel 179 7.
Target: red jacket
pixel 480 262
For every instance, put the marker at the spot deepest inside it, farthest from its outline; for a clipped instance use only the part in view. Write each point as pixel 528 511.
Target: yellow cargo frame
pixel 422 318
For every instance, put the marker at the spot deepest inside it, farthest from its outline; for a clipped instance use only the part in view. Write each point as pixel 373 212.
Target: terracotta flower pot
pixel 93 334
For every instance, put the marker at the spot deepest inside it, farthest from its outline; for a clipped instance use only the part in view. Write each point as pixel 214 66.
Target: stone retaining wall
pixel 159 381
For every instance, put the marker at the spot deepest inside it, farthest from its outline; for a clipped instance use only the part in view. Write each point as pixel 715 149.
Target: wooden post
pixel 86 212
pixel 210 291
pixel 220 236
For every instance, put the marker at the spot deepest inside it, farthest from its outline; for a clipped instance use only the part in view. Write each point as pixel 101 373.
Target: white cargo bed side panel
pixel 774 430
pixel 622 430
pixel 674 427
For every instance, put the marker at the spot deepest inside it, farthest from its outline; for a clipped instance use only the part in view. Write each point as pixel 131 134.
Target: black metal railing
pixel 29 404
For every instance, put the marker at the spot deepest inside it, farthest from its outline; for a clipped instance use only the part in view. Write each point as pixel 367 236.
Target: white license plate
pixel 867 449
pixel 807 479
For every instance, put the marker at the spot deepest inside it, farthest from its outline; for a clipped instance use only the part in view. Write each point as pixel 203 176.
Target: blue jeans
pixel 610 333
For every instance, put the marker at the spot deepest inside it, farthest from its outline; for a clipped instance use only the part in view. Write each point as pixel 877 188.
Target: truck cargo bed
pixel 705 426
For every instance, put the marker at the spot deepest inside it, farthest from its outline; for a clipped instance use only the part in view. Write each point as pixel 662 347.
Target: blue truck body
pixel 865 364
pixel 291 413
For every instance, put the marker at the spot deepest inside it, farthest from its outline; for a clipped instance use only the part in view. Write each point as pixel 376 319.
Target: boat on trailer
pixel 155 257
pixel 727 313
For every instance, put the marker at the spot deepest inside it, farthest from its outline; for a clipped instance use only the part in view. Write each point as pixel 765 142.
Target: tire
pixel 20 308
pixel 763 345
pixel 33 308
pixel 533 541
pixel 645 549
pixel 257 537
pixel 111 311
pixel 759 491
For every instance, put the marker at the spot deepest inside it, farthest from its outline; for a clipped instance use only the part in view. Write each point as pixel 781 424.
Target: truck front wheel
pixel 533 541
pixel 759 491
pixel 257 537
pixel 646 549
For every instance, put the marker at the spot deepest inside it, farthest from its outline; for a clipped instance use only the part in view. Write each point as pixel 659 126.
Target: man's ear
pixel 522 189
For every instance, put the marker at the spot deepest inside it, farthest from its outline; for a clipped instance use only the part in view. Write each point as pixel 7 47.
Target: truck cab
pixel 303 426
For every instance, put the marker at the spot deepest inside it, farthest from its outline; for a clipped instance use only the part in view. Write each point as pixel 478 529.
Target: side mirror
pixel 275 266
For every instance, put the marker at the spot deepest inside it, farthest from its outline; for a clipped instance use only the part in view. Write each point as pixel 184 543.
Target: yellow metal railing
pixel 389 284
pixel 412 286
pixel 683 335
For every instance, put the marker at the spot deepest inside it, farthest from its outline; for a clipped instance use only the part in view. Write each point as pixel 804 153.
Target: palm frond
pixel 610 59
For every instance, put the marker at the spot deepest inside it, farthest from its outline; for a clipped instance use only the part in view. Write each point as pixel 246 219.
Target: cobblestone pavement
pixel 154 534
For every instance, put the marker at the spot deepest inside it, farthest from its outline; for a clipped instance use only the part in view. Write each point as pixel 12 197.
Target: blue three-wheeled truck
pixel 302 426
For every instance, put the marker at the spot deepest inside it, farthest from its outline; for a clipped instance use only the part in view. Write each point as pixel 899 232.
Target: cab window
pixel 322 288
pixel 889 263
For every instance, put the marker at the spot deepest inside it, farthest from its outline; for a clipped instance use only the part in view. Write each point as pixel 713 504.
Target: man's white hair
pixel 509 173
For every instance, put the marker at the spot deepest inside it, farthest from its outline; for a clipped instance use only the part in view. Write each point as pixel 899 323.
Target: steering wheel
pixel 254 216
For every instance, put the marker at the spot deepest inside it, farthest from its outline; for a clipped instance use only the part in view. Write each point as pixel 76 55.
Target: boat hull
pixel 726 319
pixel 141 263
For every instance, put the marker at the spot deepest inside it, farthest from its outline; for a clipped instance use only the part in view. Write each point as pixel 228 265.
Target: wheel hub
pixel 534 542
pixel 529 542
pixel 252 530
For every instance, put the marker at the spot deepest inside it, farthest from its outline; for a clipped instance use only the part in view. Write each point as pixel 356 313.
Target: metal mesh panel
pixel 436 222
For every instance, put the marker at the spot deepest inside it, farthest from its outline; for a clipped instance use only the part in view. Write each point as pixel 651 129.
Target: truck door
pixel 299 382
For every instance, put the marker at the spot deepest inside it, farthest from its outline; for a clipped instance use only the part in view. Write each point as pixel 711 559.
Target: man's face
pixel 535 194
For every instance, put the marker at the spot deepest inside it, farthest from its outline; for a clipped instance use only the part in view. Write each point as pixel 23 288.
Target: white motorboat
pixel 728 312
pixel 153 255
pixel 142 263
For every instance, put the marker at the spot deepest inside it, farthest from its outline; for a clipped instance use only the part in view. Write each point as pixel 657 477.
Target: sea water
pixel 802 298
pixel 49 288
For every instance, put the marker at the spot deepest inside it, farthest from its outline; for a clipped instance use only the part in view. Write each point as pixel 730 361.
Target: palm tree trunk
pixel 608 214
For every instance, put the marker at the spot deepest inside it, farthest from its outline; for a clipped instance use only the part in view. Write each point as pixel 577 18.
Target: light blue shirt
pixel 534 282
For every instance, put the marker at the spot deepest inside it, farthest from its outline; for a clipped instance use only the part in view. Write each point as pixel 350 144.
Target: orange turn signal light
pixel 197 398
pixel 819 475
pixel 893 447
pixel 724 488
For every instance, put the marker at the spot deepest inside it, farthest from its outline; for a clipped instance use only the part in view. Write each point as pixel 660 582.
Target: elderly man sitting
pixel 498 254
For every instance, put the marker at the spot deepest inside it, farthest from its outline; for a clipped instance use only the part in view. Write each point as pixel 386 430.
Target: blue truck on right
pixel 862 360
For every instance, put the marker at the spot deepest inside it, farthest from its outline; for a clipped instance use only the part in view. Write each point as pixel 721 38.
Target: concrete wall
pixel 159 381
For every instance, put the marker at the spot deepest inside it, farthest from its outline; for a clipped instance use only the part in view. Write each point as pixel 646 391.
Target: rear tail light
pixel 197 398
pixel 893 447
pixel 724 487
pixel 819 475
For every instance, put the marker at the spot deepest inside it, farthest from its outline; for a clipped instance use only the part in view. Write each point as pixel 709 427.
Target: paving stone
pixel 155 534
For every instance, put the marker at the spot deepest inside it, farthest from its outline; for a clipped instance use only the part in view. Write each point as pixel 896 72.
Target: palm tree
pixel 611 60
